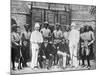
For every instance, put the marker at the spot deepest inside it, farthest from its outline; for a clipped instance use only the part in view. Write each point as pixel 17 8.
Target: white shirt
pixel 36 36
pixel 45 32
pixel 66 35
pixel 74 36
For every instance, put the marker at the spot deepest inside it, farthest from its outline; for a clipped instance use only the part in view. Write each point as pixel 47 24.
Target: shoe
pixel 48 68
pixel 35 67
pixel 19 67
pixel 89 67
pixel 13 69
pixel 63 68
pixel 83 65
pixel 25 65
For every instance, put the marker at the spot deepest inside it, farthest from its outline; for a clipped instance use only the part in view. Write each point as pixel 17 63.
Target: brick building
pixel 30 12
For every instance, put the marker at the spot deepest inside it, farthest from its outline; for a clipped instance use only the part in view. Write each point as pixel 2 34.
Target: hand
pixel 65 54
pixel 39 44
pixel 44 57
pixel 68 55
pixel 57 47
pixel 50 54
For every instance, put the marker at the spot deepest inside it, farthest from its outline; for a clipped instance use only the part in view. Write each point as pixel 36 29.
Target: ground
pixel 53 68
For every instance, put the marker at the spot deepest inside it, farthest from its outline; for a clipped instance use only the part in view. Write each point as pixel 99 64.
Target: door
pixel 52 16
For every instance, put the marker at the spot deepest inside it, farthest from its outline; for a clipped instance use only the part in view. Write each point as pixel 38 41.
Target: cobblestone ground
pixel 53 68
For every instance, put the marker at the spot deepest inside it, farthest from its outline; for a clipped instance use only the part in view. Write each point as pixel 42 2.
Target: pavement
pixel 53 69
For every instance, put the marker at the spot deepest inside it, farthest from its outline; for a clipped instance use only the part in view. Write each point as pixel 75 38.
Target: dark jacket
pixel 64 48
pixel 49 49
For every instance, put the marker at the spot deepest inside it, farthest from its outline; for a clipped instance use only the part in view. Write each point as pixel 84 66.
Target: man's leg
pixel 13 58
pixel 88 61
pixel 71 55
pixel 64 61
pixel 40 59
pixel 75 60
pixel 83 60
pixel 33 58
pixel 24 57
pixel 50 61
pixel 36 58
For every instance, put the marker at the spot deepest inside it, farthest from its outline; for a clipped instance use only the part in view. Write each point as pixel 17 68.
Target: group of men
pixel 46 48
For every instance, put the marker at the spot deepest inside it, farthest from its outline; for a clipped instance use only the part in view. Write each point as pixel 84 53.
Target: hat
pixel 26 25
pixel 73 24
pixel 37 25
pixel 57 24
pixel 46 39
pixel 15 26
pixel 45 22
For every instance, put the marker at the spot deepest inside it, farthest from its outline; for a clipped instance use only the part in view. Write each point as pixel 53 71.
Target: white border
pixel 5 36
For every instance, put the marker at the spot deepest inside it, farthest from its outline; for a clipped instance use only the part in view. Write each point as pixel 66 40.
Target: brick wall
pixel 79 13
pixel 19 11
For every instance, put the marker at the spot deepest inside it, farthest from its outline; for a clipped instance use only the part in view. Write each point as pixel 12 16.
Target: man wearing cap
pixel 26 44
pixel 15 44
pixel 57 35
pixel 46 31
pixel 73 44
pixel 36 39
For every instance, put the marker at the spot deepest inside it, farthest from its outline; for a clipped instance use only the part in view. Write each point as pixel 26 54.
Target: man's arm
pixel 13 41
pixel 93 38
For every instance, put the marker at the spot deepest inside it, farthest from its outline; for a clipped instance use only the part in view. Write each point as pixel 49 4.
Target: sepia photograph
pixel 52 37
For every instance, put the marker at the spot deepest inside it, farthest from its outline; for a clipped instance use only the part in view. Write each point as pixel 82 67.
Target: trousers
pixel 35 51
pixel 73 54
pixel 64 55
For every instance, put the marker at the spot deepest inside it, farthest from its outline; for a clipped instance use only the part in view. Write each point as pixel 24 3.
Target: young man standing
pixel 26 44
pixel 74 37
pixel 15 45
pixel 36 40
pixel 46 32
pixel 57 35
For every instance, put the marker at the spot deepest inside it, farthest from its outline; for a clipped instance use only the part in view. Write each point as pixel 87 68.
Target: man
pixel 57 35
pixel 47 52
pixel 64 52
pixel 66 37
pixel 46 32
pixel 26 44
pixel 66 33
pixel 87 39
pixel 73 44
pixel 36 40
pixel 15 45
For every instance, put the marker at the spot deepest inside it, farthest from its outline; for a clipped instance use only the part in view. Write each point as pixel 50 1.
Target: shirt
pixel 87 35
pixel 66 35
pixel 57 34
pixel 36 36
pixel 15 37
pixel 45 32
pixel 26 34
pixel 74 36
